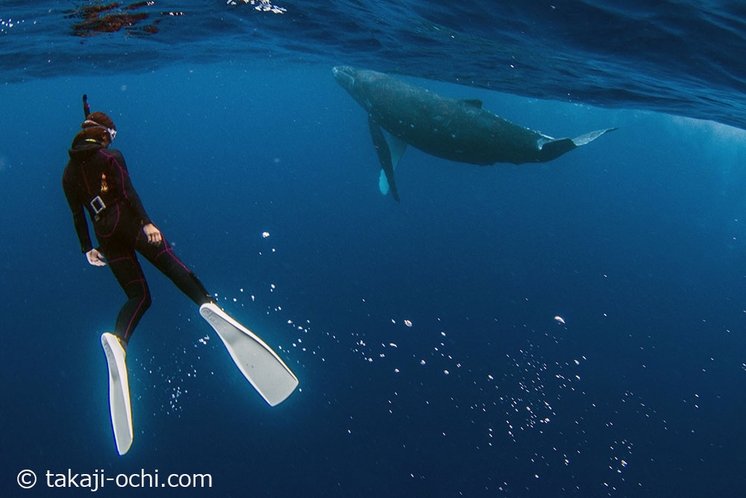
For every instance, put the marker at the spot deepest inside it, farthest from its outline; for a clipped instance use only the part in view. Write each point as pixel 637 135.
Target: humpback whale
pixel 400 114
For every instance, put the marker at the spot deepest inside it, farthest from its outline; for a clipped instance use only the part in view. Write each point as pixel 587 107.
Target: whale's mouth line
pixel 343 76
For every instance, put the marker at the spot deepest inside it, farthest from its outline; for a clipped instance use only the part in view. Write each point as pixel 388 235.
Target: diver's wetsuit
pixel 96 178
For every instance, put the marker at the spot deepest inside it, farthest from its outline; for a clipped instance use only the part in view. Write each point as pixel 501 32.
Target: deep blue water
pixel 636 240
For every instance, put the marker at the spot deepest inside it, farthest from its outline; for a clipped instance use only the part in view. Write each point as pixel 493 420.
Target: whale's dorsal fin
pixel 472 103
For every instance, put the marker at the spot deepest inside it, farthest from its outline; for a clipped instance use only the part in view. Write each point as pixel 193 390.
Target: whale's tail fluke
pixel 553 148
pixel 590 137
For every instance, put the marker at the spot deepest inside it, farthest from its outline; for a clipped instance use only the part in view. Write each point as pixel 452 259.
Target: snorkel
pixel 86 107
pixel 95 119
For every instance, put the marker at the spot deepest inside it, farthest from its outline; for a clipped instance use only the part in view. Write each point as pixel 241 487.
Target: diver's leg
pixel 129 274
pixel 162 257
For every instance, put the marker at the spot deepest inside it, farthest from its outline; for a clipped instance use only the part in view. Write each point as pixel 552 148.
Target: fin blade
pixel 120 408
pixel 261 366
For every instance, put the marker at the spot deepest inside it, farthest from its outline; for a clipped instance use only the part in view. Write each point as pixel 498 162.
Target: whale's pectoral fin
pixel 396 150
pixel 389 152
pixel 553 148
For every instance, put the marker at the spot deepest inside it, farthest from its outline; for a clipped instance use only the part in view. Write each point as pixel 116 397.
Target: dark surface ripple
pixel 671 56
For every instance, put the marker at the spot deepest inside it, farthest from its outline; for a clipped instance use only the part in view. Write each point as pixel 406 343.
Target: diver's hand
pixel 153 234
pixel 95 258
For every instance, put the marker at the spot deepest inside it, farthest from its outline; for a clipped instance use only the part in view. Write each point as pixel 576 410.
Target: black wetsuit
pixel 96 178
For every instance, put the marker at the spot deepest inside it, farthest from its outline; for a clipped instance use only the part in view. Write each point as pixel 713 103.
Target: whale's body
pixel 459 130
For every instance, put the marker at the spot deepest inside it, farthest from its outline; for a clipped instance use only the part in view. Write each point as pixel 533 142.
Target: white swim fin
pixel 119 392
pixel 260 365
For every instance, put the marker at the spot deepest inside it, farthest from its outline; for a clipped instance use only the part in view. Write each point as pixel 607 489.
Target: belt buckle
pixel 97 204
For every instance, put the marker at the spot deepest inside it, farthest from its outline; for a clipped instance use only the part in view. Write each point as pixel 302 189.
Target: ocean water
pixel 423 332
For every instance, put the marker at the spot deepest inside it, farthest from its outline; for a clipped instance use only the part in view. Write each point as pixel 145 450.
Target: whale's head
pixel 356 82
pixel 345 76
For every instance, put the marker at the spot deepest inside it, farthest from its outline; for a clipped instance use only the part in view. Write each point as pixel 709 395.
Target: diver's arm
pixel 81 227
pixel 151 231
pixel 127 188
pixel 79 219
